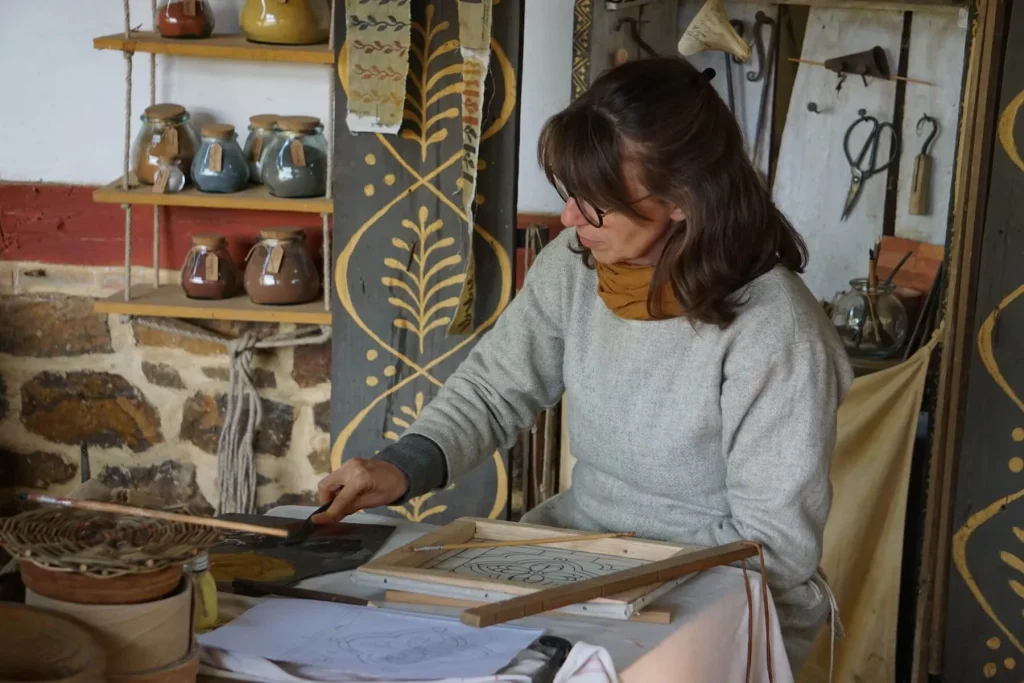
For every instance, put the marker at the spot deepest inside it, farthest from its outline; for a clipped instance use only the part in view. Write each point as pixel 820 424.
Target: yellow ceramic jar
pixel 286 22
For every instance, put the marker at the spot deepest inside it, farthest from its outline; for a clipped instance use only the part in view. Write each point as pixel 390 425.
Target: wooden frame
pixel 406 569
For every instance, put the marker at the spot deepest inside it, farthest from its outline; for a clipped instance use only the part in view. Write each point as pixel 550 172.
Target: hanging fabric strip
pixel 475 48
pixel 378 36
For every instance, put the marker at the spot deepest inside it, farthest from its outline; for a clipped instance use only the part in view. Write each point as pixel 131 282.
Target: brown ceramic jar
pixel 185 19
pixel 209 272
pixel 166 132
pixel 280 270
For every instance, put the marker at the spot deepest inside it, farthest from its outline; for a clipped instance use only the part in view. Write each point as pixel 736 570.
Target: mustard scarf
pixel 624 288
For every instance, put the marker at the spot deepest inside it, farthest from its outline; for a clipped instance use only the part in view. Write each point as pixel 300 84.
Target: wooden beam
pixel 894 5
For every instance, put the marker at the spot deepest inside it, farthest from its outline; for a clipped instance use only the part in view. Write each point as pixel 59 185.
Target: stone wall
pixel 149 404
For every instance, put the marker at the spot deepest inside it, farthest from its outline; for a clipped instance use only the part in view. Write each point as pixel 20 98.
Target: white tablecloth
pixel 706 641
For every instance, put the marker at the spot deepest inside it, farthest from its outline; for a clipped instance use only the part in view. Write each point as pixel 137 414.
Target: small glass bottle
pixel 219 165
pixel 166 132
pixel 871 320
pixel 204 593
pixel 261 132
pixel 280 270
pixel 209 271
pixel 185 19
pixel 295 162
pixel 169 176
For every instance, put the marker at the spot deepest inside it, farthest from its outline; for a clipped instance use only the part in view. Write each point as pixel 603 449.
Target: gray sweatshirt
pixel 682 431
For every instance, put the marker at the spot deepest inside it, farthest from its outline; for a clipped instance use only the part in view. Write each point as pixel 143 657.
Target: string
pixel 156 209
pixel 127 147
pixel 750 613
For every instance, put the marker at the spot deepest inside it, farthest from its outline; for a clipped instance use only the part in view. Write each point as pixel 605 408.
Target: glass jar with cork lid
pixel 280 270
pixel 220 165
pixel 295 161
pixel 261 132
pixel 208 271
pixel 166 131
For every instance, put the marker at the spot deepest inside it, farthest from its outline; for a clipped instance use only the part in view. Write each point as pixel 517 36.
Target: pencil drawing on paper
pixel 409 647
pixel 534 565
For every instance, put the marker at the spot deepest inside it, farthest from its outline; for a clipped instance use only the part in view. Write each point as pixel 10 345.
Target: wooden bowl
pixel 93 590
pixel 47 647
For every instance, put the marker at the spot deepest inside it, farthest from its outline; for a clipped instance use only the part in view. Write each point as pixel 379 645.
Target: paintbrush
pixel 256 589
pixel 307 528
pixel 128 511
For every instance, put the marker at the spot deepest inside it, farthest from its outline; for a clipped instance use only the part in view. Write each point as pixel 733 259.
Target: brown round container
pixel 185 19
pixel 280 270
pixel 296 22
pixel 41 645
pixel 166 132
pixel 92 590
pixel 208 271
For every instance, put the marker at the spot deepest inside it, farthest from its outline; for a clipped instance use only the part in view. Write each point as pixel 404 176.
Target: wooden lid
pixel 218 130
pixel 263 120
pixel 282 234
pixel 209 240
pixel 298 124
pixel 165 112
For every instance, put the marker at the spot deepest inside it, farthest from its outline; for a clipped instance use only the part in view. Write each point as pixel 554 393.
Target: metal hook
pixel 737 26
pixel 762 19
pixel 931 136
pixel 634 33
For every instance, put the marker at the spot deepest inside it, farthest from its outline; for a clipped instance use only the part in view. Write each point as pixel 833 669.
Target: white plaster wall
pixel 62 113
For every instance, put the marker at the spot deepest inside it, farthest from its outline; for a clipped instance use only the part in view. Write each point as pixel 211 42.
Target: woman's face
pixel 622 239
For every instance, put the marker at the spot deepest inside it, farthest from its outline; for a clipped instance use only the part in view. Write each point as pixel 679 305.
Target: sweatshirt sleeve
pixel 513 372
pixel 778 435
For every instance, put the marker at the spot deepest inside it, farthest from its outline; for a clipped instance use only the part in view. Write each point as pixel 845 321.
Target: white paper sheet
pixel 369 641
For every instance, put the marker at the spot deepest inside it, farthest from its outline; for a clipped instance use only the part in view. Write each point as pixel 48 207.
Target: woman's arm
pixel 778 435
pixel 513 372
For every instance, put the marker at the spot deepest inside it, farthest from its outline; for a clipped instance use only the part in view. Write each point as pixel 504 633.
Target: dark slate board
pixel 375 388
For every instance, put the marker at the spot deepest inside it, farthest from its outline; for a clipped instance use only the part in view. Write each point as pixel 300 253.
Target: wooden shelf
pixel 169 301
pixel 216 47
pixel 256 197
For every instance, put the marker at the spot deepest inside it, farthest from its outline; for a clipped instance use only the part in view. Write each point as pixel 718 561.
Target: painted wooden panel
pixel 747 94
pixel 813 175
pixel 984 627
pixel 937 52
pixel 398 270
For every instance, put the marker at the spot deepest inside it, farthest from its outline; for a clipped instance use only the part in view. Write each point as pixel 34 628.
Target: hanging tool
pixel 711 30
pixel 858 172
pixel 737 26
pixel 634 33
pixel 766 61
pixel 868 63
pixel 920 189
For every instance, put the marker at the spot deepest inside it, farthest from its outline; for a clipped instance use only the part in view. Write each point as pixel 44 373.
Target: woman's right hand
pixel 359 484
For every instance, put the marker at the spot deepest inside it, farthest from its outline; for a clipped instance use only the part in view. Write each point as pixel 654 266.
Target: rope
pixel 236 461
pixel 332 86
pixel 156 209
pixel 127 147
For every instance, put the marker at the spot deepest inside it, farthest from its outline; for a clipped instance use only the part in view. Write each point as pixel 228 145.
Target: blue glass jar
pixel 261 132
pixel 220 165
pixel 295 161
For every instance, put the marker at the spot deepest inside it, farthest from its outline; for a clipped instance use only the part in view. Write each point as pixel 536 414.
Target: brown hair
pixel 663 117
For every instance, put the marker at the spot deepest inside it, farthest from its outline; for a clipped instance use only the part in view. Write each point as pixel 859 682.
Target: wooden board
pixel 937 46
pixel 253 197
pixel 984 638
pixel 216 47
pixel 399 198
pixel 169 301
pixel 811 181
pixel 497 573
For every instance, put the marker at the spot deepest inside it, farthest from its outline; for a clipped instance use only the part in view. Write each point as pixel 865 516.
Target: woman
pixel 703 376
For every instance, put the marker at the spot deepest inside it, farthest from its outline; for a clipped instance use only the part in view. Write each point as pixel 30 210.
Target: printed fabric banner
pixel 420 218
pixel 379 33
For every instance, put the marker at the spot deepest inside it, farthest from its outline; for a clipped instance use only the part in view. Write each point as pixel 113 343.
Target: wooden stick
pixel 126 510
pixel 525 541
pixel 609 584
pixel 898 78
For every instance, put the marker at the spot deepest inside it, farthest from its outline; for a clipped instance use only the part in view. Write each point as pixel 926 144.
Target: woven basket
pixel 102 545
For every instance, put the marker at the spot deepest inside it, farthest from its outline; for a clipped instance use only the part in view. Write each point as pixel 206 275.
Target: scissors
pixel 859 173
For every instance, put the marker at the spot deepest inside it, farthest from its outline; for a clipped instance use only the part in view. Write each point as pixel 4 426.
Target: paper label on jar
pixel 190 8
pixel 169 141
pixel 160 180
pixel 276 256
pixel 216 158
pixel 257 147
pixel 298 153
pixel 211 268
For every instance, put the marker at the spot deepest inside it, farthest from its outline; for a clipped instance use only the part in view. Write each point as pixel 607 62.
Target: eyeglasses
pixel 594 215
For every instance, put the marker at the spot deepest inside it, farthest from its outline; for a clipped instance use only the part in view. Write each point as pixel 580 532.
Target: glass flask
pixel 295 160
pixel 220 165
pixel 261 132
pixel 871 320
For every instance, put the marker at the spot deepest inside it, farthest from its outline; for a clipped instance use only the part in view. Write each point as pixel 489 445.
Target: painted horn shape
pixel 711 30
